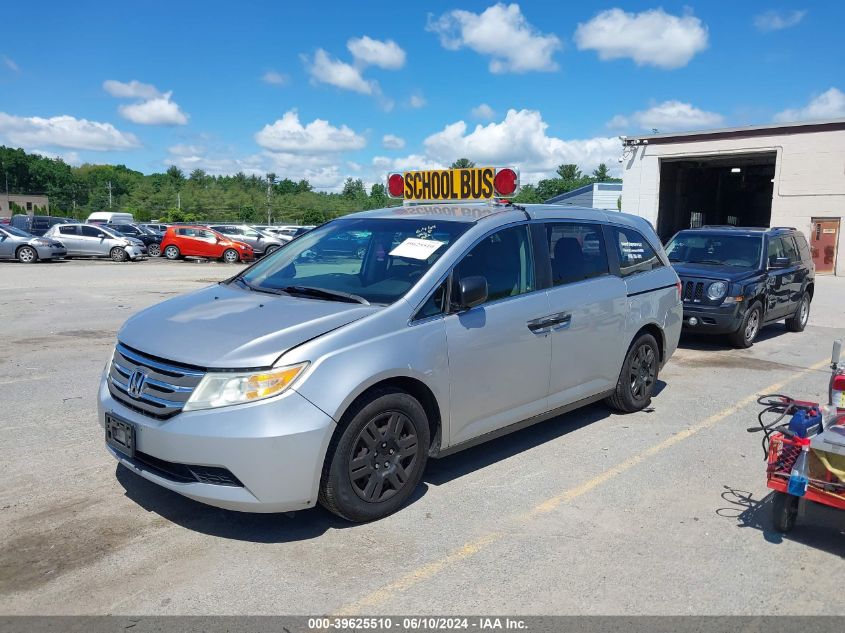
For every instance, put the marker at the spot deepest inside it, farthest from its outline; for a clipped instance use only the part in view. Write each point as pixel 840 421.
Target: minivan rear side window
pixel 576 250
pixel 635 253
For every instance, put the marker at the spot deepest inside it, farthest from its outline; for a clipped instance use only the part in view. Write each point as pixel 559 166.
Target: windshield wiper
pixel 245 284
pixel 673 259
pixel 322 293
pixel 708 261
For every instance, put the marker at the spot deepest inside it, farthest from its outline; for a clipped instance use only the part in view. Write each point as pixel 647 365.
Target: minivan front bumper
pixel 274 449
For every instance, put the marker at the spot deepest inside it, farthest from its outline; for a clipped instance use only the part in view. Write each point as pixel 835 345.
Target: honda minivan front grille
pixel 151 386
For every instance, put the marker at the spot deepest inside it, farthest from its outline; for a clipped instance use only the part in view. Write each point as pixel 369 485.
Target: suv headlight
pixel 717 290
pixel 221 389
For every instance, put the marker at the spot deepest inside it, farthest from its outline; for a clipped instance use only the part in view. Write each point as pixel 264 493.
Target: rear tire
pixel 172 252
pixel 118 254
pixel 270 250
pixel 230 256
pixel 377 456
pixel 784 511
pixel 638 377
pixel 27 255
pixel 154 250
pixel 798 321
pixel 749 328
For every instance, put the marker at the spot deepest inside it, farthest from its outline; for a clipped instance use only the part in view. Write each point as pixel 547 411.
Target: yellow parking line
pixel 471 548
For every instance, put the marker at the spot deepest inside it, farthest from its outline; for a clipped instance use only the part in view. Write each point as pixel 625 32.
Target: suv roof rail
pixel 733 226
pixel 785 228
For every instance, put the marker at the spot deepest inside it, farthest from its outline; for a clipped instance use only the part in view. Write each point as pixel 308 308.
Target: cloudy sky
pixel 323 91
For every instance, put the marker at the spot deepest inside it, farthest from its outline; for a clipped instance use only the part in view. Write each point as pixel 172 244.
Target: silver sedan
pixel 28 248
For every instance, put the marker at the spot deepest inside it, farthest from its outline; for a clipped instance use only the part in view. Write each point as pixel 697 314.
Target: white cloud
pixel 64 131
pixel 652 37
pixel 318 137
pixel 520 140
pixel 71 158
pixel 181 149
pixel 669 116
pixel 417 101
pixel 391 141
pixel 369 52
pixel 777 20
pixel 10 63
pixel 827 105
pixel 484 112
pixel 130 90
pixel 152 106
pixel 324 69
pixel 275 78
pixel 501 32
pixel 158 111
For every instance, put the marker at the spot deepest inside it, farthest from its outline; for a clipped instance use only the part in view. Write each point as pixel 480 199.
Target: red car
pixel 200 241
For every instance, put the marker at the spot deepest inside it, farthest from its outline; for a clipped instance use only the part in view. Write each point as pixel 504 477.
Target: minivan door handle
pixel 551 322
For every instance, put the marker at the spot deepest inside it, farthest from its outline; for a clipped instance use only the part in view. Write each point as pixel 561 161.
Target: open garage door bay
pixel 735 190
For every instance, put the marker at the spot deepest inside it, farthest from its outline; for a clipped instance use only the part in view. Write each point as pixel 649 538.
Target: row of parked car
pixel 32 238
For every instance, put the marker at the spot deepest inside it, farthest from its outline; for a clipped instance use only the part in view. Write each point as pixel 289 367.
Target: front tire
pixel 749 328
pixel 230 256
pixel 118 254
pixel 638 377
pixel 376 458
pixel 27 255
pixel 798 321
pixel 270 250
pixel 172 252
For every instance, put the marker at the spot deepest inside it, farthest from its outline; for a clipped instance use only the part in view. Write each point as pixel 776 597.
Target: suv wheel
pixel 118 254
pixel 27 255
pixel 171 252
pixel 749 328
pixel 230 256
pixel 638 377
pixel 377 457
pixel 798 321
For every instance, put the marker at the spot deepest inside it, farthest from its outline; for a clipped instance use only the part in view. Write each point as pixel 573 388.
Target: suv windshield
pixel 691 247
pixel 377 260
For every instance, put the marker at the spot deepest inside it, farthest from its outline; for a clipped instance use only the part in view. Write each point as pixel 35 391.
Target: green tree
pixel 569 172
pixel 601 173
pixel 462 163
pixel 313 216
pixel 353 188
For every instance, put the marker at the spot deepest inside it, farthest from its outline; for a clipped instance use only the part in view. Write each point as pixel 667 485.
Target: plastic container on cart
pixel 799 477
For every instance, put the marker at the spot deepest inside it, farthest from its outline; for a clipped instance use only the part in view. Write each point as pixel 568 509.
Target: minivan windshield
pixel 699 247
pixel 362 260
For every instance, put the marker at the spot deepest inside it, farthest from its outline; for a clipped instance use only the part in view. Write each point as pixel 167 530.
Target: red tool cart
pixel 819 433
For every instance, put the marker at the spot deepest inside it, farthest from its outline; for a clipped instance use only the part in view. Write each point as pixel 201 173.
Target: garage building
pixel 789 174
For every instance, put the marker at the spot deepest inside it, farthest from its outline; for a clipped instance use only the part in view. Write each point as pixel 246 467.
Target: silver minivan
pixel 93 240
pixel 334 380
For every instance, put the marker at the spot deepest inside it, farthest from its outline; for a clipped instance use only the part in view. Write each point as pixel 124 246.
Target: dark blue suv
pixel 735 280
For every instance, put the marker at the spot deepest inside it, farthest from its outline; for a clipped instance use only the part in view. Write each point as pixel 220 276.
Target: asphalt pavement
pixel 659 512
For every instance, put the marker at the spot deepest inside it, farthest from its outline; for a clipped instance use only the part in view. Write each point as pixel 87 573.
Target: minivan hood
pixel 229 328
pixel 713 271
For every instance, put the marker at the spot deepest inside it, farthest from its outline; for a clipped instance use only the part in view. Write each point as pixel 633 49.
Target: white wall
pixel 809 177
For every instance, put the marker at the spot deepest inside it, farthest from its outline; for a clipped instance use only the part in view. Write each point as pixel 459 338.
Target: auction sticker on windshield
pixel 416 248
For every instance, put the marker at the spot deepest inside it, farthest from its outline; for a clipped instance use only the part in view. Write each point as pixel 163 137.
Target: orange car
pixel 199 241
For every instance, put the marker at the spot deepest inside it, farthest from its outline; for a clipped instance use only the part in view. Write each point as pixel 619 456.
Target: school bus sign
pixel 469 183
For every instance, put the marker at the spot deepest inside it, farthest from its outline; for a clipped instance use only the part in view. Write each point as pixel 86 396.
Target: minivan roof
pixel 473 212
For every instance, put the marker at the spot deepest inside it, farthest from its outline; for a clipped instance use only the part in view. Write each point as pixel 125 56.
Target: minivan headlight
pixel 717 290
pixel 221 389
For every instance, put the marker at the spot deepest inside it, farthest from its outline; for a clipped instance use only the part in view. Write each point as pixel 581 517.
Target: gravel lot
pixel 660 512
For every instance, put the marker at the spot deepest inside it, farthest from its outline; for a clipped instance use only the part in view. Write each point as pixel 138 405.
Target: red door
pixel 823 242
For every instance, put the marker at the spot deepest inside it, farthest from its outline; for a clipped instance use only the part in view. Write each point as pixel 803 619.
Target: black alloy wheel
pixel 383 457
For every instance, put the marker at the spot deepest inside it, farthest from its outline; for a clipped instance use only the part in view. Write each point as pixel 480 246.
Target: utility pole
pixel 270 179
pixel 179 200
pixel 109 186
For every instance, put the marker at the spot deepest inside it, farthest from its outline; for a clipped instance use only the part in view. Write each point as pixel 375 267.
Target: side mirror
pixel 472 291
pixel 102 236
pixel 778 262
